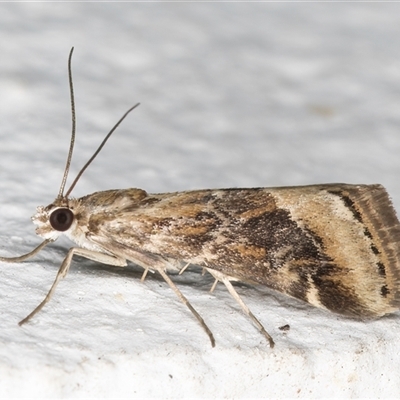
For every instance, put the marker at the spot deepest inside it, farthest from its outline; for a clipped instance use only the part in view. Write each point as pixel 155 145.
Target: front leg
pixel 62 272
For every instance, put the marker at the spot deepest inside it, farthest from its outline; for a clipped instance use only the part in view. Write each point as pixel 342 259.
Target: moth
pixel 334 246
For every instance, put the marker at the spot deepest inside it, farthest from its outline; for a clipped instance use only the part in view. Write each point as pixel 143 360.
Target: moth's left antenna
pixel 72 142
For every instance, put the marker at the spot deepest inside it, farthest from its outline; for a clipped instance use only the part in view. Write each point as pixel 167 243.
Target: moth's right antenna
pixel 98 150
pixel 72 142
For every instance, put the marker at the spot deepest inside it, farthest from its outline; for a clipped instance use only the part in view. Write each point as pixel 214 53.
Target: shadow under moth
pixel 335 246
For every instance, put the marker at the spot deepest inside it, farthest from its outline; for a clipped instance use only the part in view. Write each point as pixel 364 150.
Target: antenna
pixel 72 142
pixel 98 150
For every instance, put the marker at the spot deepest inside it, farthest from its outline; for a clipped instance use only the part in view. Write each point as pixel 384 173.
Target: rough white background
pixel 232 94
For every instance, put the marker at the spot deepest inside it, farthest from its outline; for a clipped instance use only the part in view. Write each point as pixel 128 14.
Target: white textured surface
pixel 232 95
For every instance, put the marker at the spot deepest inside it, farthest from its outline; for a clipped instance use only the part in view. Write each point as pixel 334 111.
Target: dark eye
pixel 61 219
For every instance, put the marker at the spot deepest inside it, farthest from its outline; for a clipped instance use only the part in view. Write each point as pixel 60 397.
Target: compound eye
pixel 61 219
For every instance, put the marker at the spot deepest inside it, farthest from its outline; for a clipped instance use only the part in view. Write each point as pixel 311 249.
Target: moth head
pixel 54 220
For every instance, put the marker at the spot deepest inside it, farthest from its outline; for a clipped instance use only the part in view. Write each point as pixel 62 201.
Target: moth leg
pixel 146 270
pixel 183 269
pixel 214 285
pixel 28 255
pixel 226 281
pixel 62 272
pixel 154 262
pixel 185 301
pixel 182 298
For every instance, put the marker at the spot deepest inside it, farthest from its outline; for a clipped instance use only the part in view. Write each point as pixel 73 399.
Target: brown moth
pixel 335 246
